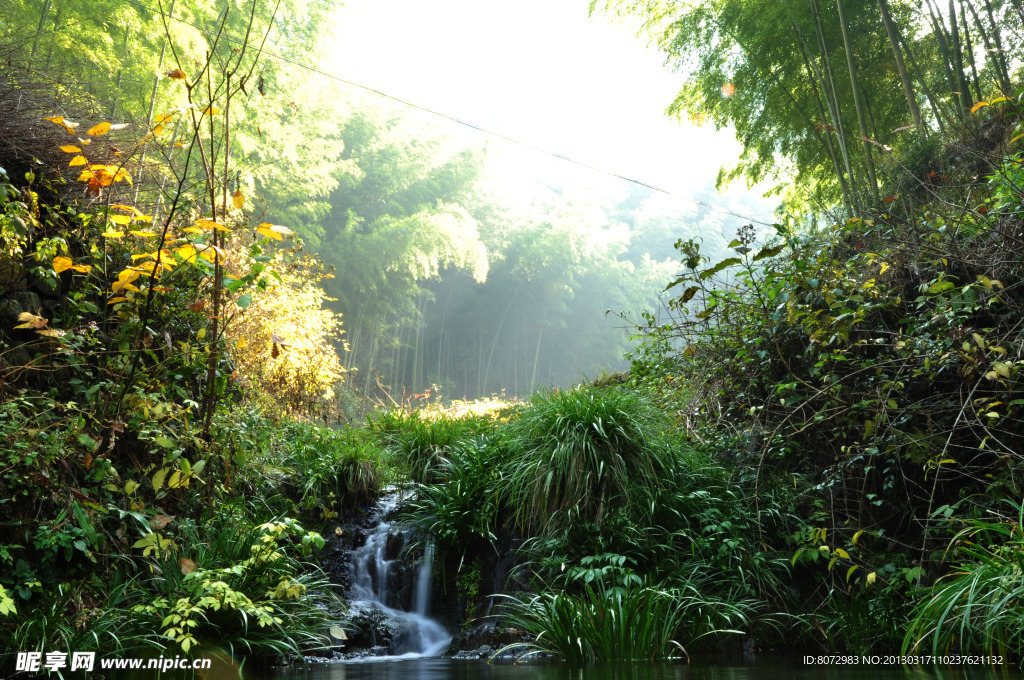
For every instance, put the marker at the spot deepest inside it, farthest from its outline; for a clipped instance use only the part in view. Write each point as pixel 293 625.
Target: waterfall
pixel 415 633
pixel 424 582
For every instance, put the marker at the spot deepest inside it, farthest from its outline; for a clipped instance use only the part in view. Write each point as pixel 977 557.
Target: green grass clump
pixel 584 450
pixel 626 621
pixel 979 607
pixel 419 444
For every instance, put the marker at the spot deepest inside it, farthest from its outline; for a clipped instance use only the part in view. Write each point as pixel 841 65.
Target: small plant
pixel 629 622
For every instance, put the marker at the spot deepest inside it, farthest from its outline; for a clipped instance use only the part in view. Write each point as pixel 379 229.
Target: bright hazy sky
pixel 539 71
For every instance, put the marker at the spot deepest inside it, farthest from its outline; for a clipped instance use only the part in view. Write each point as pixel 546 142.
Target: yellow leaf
pixel 842 553
pixel 115 300
pixel 61 263
pixel 1018 137
pixel 238 200
pixel 30 320
pixel 83 268
pixel 978 106
pixel 120 219
pixel 158 479
pixel 84 142
pixel 77 160
pixel 98 129
pixel 192 230
pixel 274 231
pixel 158 129
pixel 59 120
pixel 122 286
pixel 187 252
pixel 145 234
pixel 113 234
pixel 86 176
pixel 856 536
pixel 52 333
pixel 126 208
pixel 849 572
pixel 871 577
pixel 177 74
pixel 67 148
pixel 211 111
pixel 999 100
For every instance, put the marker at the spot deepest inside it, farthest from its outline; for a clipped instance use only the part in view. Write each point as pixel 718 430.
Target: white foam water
pixel 416 634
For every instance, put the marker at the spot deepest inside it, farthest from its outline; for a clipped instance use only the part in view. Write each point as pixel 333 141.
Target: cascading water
pixel 415 633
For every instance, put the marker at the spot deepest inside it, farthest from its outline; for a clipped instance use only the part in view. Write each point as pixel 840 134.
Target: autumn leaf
pixel 238 200
pixel 113 234
pixel 77 160
pixel 187 566
pixel 274 231
pixel 61 263
pixel 115 300
pixel 177 74
pixel 59 120
pixel 120 219
pixel 979 105
pixel 30 320
pixel 98 129
pixel 211 111
pixel 68 148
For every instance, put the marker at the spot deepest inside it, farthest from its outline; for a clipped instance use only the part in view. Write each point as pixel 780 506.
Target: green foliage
pixel 464 511
pixel 584 451
pixel 421 443
pixel 978 606
pixel 630 620
pixel 239 586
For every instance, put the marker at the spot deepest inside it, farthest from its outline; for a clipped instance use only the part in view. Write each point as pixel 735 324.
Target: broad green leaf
pixel 769 252
pixel 728 262
pixel 158 479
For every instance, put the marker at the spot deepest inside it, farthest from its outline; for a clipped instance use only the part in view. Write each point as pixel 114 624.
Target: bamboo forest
pixel 629 339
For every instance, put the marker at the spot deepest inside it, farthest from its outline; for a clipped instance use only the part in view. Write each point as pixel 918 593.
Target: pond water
pixel 761 668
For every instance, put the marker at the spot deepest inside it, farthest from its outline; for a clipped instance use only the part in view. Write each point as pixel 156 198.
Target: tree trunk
pixel 958 60
pixel 39 30
pixel 901 66
pixel 969 44
pixel 832 101
pixel 825 119
pixel 858 101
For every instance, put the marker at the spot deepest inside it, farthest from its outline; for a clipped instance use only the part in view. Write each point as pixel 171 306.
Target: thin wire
pixel 473 126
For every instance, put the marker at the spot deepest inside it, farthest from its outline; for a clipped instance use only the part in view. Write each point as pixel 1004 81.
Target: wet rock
pixel 369 629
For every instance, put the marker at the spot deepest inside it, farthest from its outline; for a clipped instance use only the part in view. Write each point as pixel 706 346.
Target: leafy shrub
pixel 243 587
